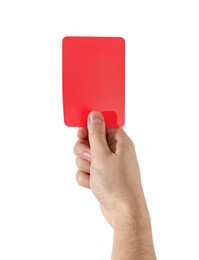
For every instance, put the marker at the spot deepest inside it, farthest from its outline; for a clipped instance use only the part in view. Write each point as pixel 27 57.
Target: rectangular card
pixel 93 77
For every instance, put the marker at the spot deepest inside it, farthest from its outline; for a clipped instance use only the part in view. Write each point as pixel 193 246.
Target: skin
pixel 107 164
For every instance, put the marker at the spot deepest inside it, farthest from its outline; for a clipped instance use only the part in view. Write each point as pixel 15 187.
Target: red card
pixel 93 74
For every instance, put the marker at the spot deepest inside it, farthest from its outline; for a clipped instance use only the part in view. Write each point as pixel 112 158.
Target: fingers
pixel 83 179
pixel 82 133
pixel 83 165
pixel 82 150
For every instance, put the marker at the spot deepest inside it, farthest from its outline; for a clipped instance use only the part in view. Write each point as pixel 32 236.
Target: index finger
pixel 82 133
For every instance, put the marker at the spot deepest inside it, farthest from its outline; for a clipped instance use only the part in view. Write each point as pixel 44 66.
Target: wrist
pixel 131 213
pixel 135 223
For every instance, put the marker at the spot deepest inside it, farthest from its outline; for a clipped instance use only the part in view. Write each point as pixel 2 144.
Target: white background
pixel 44 214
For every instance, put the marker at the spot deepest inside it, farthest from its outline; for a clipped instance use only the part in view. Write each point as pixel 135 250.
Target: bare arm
pixel 107 164
pixel 133 235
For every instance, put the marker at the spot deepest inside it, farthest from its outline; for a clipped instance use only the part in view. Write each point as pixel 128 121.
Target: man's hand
pixel 107 164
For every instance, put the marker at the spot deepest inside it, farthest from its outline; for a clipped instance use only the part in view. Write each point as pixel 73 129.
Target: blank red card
pixel 93 74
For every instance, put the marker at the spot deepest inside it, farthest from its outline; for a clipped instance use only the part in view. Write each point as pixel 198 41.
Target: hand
pixel 107 164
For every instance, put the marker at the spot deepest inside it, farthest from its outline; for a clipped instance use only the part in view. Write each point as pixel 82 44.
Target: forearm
pixel 133 234
pixel 133 242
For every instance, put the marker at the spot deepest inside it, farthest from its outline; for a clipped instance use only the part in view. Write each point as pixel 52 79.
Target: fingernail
pixel 95 118
pixel 87 156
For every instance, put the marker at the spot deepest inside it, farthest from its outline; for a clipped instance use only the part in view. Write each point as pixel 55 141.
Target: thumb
pixel 97 135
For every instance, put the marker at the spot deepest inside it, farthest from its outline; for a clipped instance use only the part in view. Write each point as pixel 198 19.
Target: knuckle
pixel 82 165
pixel 77 162
pixel 97 133
pixel 75 149
pixel 78 177
pixel 78 148
pixel 131 143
